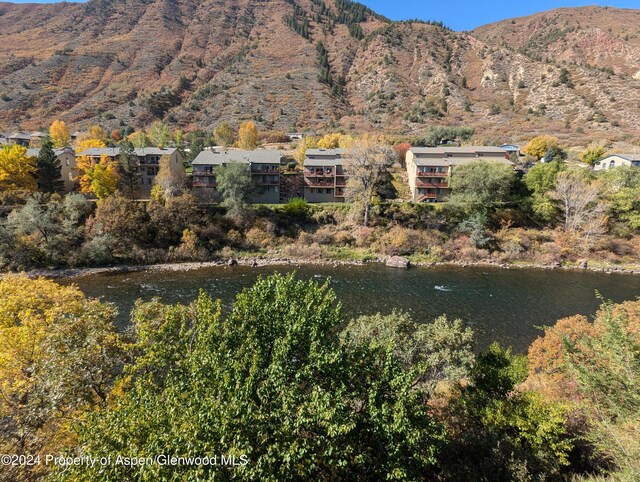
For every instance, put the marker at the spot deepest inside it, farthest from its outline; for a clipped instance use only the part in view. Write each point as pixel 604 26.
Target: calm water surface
pixel 502 305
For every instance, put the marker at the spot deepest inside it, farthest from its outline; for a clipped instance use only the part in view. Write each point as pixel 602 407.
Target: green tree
pixel 49 169
pixel 436 135
pixel 441 350
pixel 45 230
pixel 477 186
pixel 621 190
pixel 196 145
pixel 236 186
pixel 541 181
pixel 223 135
pixel 130 177
pixel 159 134
pixel 272 382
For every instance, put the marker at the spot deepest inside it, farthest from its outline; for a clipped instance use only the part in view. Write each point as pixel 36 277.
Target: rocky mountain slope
pixel 316 64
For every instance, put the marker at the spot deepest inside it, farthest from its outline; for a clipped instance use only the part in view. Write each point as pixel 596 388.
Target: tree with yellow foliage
pixel 17 170
pixel 329 141
pixel 97 132
pixel 59 355
pixel 59 133
pixel 99 178
pixel 538 146
pixel 248 136
pixel 305 143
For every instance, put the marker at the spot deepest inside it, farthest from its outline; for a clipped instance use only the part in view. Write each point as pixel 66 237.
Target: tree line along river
pixel 508 306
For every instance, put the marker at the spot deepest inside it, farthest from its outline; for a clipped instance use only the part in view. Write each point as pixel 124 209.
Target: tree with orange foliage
pixel 401 151
pixel 547 358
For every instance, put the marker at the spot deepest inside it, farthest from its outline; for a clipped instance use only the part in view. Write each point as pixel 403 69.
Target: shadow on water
pixel 500 305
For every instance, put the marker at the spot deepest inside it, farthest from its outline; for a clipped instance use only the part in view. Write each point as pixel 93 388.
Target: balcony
pixel 319 173
pixel 429 195
pixel 432 184
pixel 274 170
pixel 315 183
pixel 339 193
pixel 269 182
pixel 433 173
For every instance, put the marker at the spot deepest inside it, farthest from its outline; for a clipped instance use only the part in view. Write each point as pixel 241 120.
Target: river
pixel 501 305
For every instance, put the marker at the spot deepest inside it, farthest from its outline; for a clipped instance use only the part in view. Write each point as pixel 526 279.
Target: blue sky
pixel 467 14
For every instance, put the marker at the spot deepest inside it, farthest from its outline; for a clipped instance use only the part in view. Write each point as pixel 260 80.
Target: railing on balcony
pixel 268 170
pixel 431 184
pixel 269 182
pixel 314 183
pixel 433 173
pixel 319 173
pixel 429 195
pixel 341 183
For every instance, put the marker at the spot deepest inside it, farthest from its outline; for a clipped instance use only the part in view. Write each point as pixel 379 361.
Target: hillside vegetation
pixel 316 64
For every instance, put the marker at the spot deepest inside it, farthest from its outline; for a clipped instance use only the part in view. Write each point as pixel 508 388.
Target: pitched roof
pixel 453 156
pixel 628 157
pixel 326 152
pixel 217 157
pixel 115 151
pixel 20 135
pixel 33 152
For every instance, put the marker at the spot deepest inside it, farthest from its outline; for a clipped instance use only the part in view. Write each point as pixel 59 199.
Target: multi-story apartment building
pixel 325 179
pixel 67 158
pixel 263 164
pixel 429 169
pixel 148 162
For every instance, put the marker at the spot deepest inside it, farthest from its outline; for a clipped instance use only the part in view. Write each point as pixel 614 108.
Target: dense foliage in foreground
pixel 284 380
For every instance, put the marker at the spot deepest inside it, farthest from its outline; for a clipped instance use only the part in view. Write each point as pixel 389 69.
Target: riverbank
pixel 266 260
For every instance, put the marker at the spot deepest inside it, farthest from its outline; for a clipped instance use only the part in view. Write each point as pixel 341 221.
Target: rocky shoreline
pixel 258 262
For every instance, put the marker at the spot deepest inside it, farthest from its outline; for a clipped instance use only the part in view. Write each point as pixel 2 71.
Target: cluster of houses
pixel 27 139
pixel 323 178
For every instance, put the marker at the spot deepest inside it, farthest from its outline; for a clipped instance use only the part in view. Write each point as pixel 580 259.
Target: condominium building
pixel 148 162
pixel 429 169
pixel 263 164
pixel 324 177
pixel 67 158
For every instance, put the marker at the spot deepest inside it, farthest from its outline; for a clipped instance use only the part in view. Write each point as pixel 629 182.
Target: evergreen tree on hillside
pixel 49 169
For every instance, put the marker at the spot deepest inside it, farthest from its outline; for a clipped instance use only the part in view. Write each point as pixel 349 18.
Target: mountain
pixel 316 64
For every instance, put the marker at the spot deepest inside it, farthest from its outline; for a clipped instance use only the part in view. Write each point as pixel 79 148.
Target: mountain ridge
pixel 196 63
